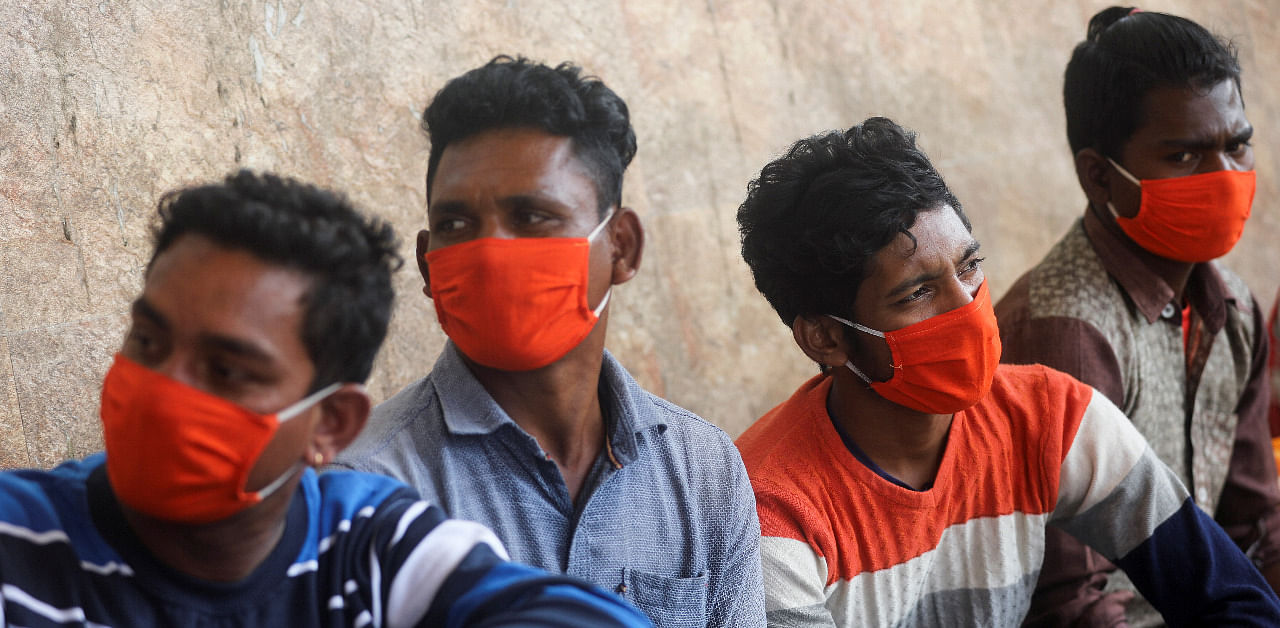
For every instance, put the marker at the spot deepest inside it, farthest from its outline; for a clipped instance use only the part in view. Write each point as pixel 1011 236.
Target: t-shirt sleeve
pixel 432 571
pixel 795 573
pixel 1117 497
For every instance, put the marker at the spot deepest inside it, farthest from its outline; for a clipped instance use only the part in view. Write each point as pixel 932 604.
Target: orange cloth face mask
pixel 180 454
pixel 1194 218
pixel 943 364
pixel 515 304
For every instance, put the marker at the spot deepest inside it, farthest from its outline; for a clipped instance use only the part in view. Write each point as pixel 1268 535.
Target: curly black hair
pixel 816 216
pixel 348 257
pixel 515 92
pixel 1126 54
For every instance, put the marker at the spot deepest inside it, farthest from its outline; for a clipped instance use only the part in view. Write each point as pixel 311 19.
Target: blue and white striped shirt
pixel 357 550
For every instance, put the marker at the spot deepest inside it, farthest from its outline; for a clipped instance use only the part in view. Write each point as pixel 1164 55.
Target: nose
pixel 960 293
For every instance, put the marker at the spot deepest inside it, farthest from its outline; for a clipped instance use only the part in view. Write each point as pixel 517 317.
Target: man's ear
pixel 342 416
pixel 627 235
pixel 1094 174
pixel 821 338
pixel 424 243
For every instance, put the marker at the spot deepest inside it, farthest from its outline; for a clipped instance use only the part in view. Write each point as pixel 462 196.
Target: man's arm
pixel 1116 496
pixel 795 575
pixel 1071 584
pixel 795 581
pixel 736 596
pixel 433 571
pixel 487 591
pixel 1273 327
pixel 1248 508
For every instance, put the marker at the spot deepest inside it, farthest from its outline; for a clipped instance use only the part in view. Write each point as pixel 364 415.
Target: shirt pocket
pixel 669 602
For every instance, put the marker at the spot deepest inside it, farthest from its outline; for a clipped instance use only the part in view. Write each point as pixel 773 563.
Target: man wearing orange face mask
pixel 911 482
pixel 264 304
pixel 525 422
pixel 1132 301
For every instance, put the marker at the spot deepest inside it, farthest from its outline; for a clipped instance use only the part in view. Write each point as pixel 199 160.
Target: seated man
pixel 1132 302
pixel 525 423
pixel 911 482
pixel 264 304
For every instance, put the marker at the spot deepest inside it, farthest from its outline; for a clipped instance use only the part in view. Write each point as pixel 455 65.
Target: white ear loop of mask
pixel 862 328
pixel 1126 175
pixel 306 402
pixel 286 414
pixel 595 232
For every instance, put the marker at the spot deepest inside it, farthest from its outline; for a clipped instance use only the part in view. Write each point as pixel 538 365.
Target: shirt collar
pixel 1206 291
pixel 469 409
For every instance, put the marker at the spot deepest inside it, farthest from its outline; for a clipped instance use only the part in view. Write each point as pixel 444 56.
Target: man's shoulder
pixel 41 500
pixel 408 417
pixel 1071 280
pixel 1237 290
pixel 348 492
pixel 684 424
pixel 45 519
pixel 702 451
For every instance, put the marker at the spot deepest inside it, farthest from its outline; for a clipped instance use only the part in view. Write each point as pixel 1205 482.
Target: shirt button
pixel 622 588
pixel 1202 495
pixel 1168 311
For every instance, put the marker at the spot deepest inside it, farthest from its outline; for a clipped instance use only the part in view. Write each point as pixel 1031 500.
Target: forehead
pixel 940 236
pixel 506 163
pixel 938 233
pixel 1191 113
pixel 201 288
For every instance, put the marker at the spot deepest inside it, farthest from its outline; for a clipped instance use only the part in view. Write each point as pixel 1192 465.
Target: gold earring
pixel 319 459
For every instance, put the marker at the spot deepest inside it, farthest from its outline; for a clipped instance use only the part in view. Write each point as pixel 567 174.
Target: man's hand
pixel 1106 612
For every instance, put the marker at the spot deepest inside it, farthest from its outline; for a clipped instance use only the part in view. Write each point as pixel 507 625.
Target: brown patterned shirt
pixel 1093 309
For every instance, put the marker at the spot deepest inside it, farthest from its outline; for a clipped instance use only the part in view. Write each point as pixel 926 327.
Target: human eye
pixel 226 373
pixel 1182 157
pixel 531 217
pixel 1239 147
pixel 916 295
pixel 973 265
pixel 447 225
pixel 142 345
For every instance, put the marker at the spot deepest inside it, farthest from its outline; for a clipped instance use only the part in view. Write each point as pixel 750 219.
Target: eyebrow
pixel 969 251
pixel 1206 143
pixel 220 342
pixel 145 310
pixel 506 202
pixel 236 346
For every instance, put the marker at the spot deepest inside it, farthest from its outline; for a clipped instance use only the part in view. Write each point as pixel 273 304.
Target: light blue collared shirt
pixel 673 529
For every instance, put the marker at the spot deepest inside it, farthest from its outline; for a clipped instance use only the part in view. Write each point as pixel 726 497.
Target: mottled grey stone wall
pixel 106 105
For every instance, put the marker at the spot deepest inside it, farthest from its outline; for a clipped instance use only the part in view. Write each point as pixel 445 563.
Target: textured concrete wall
pixel 105 105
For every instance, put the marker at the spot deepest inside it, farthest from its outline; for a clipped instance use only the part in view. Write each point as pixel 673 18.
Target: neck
pixel 558 405
pixel 222 551
pixel 905 443
pixel 1174 273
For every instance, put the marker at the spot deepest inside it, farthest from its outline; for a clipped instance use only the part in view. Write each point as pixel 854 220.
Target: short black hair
pixel 816 216
pixel 515 92
pixel 1123 57
pixel 349 258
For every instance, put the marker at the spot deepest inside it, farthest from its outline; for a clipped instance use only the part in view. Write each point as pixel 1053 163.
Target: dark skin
pixel 525 183
pixel 908 284
pixel 227 323
pixel 1184 131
